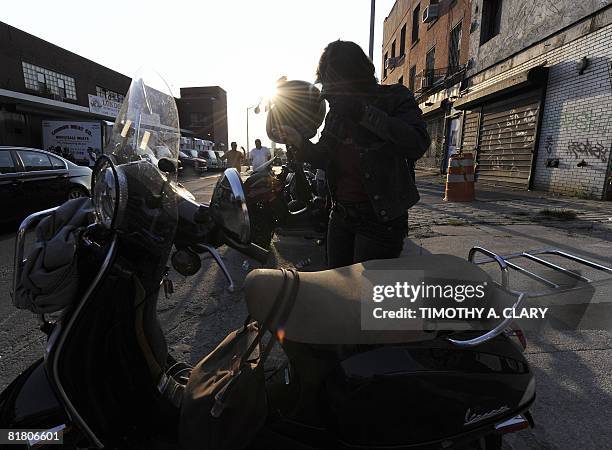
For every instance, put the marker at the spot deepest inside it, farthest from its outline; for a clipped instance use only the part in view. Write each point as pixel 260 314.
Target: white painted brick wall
pixel 577 116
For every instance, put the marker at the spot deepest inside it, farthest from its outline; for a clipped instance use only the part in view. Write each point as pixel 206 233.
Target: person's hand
pixel 288 135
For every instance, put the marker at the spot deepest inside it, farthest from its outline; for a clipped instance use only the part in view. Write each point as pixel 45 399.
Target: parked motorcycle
pixel 106 379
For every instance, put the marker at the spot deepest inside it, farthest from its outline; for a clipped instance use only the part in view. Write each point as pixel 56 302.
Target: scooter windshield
pixel 144 147
pixel 147 127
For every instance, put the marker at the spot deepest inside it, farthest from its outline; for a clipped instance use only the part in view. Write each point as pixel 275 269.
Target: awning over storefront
pixel 437 107
pixel 532 78
pixel 27 103
pixel 47 104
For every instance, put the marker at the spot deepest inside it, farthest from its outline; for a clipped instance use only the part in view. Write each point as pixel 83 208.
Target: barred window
pixel 48 82
pixel 108 94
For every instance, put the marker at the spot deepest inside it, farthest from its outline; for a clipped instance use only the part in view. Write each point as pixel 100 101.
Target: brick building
pixel 41 82
pixel 536 105
pixel 425 47
pixel 532 96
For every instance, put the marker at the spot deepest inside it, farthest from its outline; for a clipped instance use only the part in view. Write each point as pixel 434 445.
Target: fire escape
pixel 431 80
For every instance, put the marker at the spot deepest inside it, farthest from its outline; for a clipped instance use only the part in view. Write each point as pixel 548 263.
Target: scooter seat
pixel 327 309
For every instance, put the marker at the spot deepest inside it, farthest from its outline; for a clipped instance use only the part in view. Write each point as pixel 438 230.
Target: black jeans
pixel 355 235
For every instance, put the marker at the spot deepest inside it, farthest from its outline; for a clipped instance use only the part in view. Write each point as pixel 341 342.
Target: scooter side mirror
pixel 166 165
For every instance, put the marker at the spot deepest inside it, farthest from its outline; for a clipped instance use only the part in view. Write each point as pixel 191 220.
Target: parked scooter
pixel 290 203
pixel 106 379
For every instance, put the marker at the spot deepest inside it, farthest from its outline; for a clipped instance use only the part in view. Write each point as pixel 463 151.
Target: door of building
pixel 452 140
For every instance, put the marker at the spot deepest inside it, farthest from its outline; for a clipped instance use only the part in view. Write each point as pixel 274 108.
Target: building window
pixel 411 77
pixel 401 80
pixel 454 51
pixel 48 82
pixel 430 60
pixel 416 19
pixel 403 41
pixel 491 20
pixel 385 65
pixel 197 119
pixel 430 64
pixel 109 95
pixel 393 50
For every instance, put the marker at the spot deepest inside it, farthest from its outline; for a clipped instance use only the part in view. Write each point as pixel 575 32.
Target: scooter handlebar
pixel 251 250
pixel 194 215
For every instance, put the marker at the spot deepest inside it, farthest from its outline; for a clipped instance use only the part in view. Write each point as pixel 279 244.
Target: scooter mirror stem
pixel 221 264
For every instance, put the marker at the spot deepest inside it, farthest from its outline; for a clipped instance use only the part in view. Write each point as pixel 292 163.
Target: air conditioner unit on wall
pixel 430 13
pixel 390 63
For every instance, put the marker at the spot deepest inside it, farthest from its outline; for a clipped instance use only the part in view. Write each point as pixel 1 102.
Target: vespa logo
pixel 471 417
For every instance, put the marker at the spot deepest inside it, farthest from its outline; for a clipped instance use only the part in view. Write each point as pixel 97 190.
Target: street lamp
pixel 256 109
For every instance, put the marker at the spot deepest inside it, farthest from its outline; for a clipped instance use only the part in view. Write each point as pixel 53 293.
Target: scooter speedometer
pixel 109 192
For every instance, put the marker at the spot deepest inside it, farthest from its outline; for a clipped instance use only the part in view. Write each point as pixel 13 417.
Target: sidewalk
pixel 572 368
pixel 502 207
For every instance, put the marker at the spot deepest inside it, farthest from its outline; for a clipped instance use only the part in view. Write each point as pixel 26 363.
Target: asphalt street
pixel 573 408
pixel 195 318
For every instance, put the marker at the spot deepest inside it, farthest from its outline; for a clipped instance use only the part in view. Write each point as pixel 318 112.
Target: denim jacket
pixel 390 137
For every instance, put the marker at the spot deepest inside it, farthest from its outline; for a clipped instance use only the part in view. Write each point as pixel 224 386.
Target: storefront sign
pixel 103 106
pixel 79 142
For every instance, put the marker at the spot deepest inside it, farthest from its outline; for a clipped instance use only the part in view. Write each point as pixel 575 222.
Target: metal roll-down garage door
pixel 506 141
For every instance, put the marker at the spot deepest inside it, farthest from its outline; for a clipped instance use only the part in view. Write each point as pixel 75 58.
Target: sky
pixel 243 46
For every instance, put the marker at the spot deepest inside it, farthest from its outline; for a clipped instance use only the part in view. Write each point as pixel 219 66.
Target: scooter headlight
pixel 108 193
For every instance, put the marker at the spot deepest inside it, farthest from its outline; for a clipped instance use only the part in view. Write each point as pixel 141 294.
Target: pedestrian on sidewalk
pixel 233 157
pixel 373 134
pixel 260 155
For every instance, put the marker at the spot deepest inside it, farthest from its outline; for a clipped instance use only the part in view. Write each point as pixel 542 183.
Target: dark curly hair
pixel 344 67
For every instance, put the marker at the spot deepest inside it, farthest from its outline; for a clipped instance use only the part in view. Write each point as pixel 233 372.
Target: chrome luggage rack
pixel 505 265
pixel 535 256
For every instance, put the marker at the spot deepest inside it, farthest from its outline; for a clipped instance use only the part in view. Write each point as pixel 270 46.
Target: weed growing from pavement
pixel 456 222
pixel 582 195
pixel 563 214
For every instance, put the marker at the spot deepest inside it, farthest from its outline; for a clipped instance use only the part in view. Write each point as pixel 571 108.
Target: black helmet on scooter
pixel 297 104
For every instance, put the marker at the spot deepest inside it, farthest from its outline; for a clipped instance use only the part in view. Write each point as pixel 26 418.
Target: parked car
pixel 32 180
pixel 192 163
pixel 211 158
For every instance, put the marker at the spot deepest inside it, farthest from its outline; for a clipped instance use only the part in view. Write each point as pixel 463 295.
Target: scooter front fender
pixel 29 402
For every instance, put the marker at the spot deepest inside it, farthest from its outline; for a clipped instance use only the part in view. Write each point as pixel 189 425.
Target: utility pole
pixel 247 118
pixel 372 14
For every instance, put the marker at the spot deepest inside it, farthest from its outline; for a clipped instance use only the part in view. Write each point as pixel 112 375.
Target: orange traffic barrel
pixel 460 178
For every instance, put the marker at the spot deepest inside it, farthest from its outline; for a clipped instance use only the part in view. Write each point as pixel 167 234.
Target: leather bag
pixel 224 403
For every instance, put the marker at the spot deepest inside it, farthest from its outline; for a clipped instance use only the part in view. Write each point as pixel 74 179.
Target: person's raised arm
pixel 405 127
